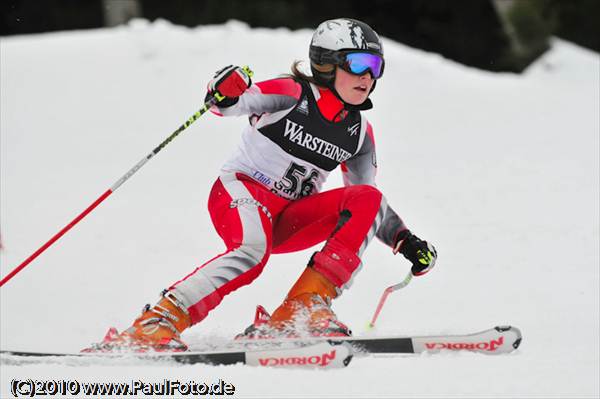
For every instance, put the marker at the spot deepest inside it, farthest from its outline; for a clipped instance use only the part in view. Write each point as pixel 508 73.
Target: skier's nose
pixel 367 78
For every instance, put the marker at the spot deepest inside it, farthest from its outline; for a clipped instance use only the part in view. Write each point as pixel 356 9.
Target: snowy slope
pixel 500 171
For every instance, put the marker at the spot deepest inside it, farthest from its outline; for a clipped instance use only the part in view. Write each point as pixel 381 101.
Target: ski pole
pixel 387 292
pixel 217 97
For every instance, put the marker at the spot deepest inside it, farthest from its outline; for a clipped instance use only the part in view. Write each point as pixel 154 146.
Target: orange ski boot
pixel 305 311
pixel 158 328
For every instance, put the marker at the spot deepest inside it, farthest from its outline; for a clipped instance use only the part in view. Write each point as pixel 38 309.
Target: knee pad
pixel 335 262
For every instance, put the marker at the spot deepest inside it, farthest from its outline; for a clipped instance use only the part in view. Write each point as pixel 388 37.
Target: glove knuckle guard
pixel 230 81
pixel 420 253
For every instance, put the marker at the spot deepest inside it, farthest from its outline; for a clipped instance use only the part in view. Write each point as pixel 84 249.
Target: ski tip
pixel 516 331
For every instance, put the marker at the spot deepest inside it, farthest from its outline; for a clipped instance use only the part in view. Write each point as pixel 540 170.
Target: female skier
pixel 267 199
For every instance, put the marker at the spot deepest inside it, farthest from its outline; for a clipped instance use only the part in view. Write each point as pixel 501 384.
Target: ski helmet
pixel 334 39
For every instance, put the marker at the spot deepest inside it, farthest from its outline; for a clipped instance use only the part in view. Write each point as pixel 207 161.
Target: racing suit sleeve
pixel 361 169
pixel 263 97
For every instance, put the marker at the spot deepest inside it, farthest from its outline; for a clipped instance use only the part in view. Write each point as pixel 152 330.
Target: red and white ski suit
pixel 267 199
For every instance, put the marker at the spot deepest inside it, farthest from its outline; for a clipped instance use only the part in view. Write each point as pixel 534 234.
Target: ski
pixel 497 340
pixel 494 341
pixel 316 355
pixel 312 352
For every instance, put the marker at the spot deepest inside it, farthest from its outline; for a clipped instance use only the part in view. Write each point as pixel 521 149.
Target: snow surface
pixel 500 171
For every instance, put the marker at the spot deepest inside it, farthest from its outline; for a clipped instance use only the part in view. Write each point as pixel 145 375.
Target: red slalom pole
pixel 55 237
pixel 212 101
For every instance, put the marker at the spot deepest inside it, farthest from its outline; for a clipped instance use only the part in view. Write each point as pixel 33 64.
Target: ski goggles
pixel 360 63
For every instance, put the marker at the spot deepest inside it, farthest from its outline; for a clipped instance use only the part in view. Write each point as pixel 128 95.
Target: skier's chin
pixel 357 98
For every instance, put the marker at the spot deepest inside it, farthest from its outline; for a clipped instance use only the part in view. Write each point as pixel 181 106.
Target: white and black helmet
pixel 333 39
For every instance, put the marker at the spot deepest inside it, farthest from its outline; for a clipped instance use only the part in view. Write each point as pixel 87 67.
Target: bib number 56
pixel 297 180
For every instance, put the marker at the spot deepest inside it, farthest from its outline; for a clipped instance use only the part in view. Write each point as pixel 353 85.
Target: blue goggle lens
pixel 359 63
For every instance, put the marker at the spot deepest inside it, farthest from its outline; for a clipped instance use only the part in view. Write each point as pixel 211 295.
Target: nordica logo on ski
pixel 489 346
pixel 315 360
pixel 295 133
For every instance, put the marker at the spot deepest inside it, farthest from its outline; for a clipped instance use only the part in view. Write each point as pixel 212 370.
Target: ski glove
pixel 420 253
pixel 231 81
